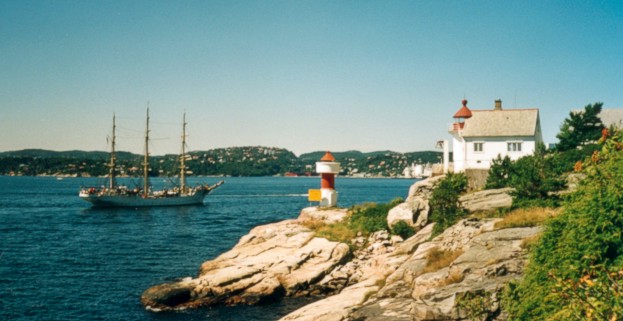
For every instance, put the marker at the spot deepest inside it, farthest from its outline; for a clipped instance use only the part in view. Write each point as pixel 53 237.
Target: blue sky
pixel 302 75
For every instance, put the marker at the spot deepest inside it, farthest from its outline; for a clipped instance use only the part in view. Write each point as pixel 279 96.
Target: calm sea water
pixel 60 259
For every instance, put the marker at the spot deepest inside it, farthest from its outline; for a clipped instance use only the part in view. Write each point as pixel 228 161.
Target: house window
pixel 514 147
pixel 478 147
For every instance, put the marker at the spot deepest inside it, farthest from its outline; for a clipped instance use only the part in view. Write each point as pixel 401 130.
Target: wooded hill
pixel 233 161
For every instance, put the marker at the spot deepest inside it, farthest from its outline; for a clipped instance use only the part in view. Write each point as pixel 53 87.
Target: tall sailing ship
pixel 115 195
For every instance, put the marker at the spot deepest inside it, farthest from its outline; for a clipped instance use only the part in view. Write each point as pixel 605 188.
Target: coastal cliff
pixel 378 277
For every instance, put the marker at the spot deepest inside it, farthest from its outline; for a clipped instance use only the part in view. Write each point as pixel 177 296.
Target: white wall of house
pixel 478 153
pixel 458 154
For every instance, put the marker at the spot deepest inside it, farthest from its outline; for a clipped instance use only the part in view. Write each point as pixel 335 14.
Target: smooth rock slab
pixel 271 261
pixel 323 215
pixel 487 200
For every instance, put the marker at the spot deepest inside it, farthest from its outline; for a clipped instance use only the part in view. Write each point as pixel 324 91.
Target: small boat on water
pixel 115 195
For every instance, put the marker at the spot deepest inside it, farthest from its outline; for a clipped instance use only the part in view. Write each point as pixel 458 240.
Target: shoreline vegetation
pixel 234 161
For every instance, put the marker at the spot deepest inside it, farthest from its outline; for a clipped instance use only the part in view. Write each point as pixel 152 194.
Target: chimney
pixel 498 104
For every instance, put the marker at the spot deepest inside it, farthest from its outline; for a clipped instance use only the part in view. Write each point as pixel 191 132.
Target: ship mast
pixel 113 157
pixel 146 159
pixel 183 156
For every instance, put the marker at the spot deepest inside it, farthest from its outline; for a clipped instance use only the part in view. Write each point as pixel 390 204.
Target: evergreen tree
pixel 580 128
pixel 499 173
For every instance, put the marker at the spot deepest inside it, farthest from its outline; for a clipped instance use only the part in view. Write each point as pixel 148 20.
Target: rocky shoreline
pixel 379 277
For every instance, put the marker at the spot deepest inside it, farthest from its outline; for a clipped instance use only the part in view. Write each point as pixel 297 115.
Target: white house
pixel 479 136
pixel 611 117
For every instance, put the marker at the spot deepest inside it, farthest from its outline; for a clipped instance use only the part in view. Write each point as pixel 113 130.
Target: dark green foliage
pixel 403 229
pixel 499 173
pixel 369 218
pixel 477 305
pixel 588 233
pixel 533 177
pixel 580 128
pixel 444 202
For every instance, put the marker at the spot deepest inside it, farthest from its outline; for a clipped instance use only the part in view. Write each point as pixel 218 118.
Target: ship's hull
pixel 140 201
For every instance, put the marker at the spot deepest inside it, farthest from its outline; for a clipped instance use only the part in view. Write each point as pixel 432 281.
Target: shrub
pixel 596 296
pixel 444 202
pixel 476 305
pixel 499 173
pixel 534 178
pixel 403 229
pixel 587 233
pixel 371 217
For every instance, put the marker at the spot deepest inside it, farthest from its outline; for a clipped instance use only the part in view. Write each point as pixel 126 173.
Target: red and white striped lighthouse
pixel 327 167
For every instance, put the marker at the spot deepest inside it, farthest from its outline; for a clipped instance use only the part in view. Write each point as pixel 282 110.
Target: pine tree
pixel 580 128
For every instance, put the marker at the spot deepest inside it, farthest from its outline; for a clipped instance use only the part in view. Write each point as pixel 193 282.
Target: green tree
pixel 499 172
pixel 444 201
pixel 580 128
pixel 533 177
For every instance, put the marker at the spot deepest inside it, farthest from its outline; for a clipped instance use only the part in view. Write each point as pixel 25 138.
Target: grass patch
pixel 339 232
pixel 496 213
pixel 438 259
pixel 371 217
pixel 526 217
pixel 529 242
pixel 365 218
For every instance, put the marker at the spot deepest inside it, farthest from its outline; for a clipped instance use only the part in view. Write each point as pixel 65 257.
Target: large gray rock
pixel 487 200
pixel 271 261
pixel 322 215
pixel 414 213
pixel 424 188
pixel 415 209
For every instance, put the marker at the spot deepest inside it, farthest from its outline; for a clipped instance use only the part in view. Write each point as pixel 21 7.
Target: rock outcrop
pixel 401 285
pixel 415 209
pixel 322 215
pixel 271 261
pixel 487 200
pixel 374 270
pixel 384 278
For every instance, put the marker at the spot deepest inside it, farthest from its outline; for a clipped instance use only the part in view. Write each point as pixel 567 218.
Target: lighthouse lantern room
pixel 327 167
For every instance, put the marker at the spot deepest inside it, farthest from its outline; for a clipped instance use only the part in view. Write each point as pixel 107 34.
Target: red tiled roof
pixel 464 112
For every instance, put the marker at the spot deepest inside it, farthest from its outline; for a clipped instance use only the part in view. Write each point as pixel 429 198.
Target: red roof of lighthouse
pixel 464 112
pixel 328 157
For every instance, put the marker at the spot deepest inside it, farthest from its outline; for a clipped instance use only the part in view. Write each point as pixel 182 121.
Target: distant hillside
pixel 315 156
pixel 42 153
pixel 233 161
